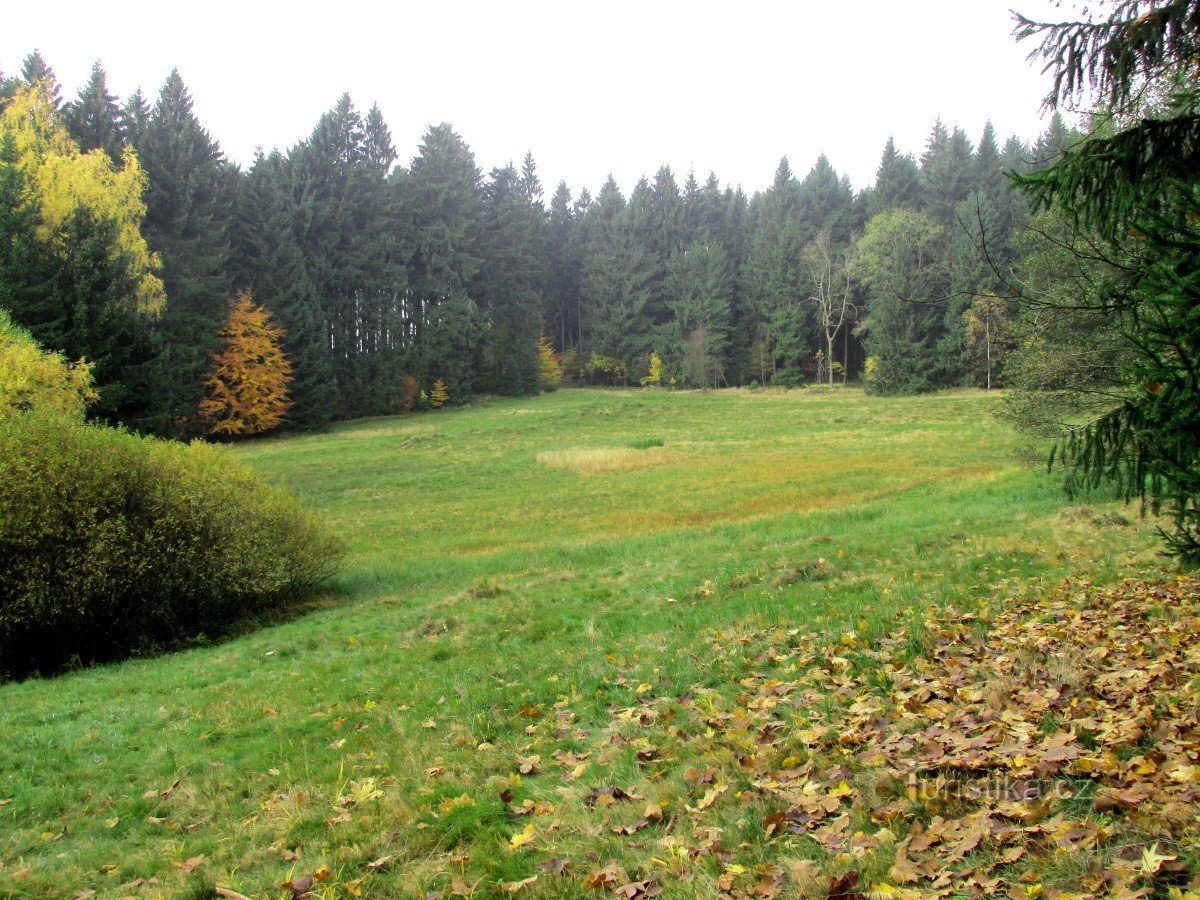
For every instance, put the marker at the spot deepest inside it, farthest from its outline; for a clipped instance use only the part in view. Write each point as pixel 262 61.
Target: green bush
pixel 113 544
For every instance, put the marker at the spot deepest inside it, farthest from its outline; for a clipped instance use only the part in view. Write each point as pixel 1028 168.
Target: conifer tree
pixel 775 276
pixel 900 253
pixel 188 214
pixel 270 264
pixel 561 310
pixel 444 202
pixel 36 71
pixel 94 117
pixel 509 282
pixel 897 182
pixel 135 118
pixel 248 385
pixel 618 277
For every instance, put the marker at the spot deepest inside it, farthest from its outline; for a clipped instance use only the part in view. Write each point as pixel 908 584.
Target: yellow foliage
pixel 248 386
pixel 35 379
pixel 655 375
pixel 549 367
pixel 64 179
pixel 439 395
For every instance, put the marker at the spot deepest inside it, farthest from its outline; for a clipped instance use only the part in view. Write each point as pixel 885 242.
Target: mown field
pixel 517 571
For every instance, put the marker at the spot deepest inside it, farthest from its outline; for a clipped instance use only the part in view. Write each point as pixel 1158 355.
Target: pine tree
pixel 247 388
pixel 188 213
pixel 94 118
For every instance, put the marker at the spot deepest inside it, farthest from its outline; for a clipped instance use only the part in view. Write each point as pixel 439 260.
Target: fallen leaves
pixel 954 751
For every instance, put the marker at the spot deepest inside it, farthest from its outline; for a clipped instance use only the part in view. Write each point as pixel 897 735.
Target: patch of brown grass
pixel 598 460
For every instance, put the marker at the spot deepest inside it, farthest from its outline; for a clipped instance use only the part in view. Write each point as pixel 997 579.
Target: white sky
pixel 589 87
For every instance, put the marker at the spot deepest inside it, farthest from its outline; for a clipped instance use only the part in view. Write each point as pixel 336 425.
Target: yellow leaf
pixel 521 838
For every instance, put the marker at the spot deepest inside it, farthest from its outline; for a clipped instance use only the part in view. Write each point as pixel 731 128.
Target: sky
pixel 591 88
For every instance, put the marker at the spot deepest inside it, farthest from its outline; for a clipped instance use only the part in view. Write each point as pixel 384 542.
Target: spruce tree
pixel 1129 190
pixel 35 70
pixel 509 282
pixel 94 118
pixel 135 117
pixel 561 298
pixel 775 277
pixel 188 213
pixel 269 263
pixel 617 287
pixel 897 182
pixel 443 199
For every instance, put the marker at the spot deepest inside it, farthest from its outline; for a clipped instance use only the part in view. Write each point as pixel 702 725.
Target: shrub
pixel 111 544
pixel 35 379
pixel 438 395
pixel 410 392
pixel 870 373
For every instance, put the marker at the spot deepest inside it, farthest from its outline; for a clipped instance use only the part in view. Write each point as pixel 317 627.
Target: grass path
pixel 483 587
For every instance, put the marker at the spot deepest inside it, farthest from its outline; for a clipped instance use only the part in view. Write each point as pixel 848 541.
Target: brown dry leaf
pixel 608 877
pixel 190 865
pixel 514 887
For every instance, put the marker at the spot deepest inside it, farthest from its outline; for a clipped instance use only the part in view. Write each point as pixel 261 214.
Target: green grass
pixel 487 583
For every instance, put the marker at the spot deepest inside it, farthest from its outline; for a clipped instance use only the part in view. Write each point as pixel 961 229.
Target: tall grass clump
pixel 112 544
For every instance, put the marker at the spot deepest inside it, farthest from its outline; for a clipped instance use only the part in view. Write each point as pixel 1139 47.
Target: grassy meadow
pixel 516 570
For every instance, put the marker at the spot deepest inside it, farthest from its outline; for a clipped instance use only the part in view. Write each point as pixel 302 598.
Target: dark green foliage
pixel 1130 194
pixel 443 200
pixel 94 118
pixel 269 261
pixel 155 543
pixel 346 228
pixel 189 207
pixel 510 279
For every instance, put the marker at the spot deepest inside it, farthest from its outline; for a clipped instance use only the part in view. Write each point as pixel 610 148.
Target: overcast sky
pixel 589 87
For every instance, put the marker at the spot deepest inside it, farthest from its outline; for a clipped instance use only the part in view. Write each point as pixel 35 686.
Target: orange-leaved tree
pixel 248 384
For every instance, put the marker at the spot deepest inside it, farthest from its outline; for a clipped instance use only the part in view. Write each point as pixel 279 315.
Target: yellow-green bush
pixel 35 379
pixel 111 544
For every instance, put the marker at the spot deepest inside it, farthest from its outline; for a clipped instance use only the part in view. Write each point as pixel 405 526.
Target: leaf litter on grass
pixel 1050 748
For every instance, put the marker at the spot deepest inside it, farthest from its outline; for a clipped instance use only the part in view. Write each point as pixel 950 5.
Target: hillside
pixel 522 573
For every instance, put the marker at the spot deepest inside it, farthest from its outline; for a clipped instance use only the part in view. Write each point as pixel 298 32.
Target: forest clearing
pixel 511 638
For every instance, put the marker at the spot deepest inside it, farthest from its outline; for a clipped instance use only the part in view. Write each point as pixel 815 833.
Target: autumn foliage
pixel 549 367
pixel 248 386
pixel 438 395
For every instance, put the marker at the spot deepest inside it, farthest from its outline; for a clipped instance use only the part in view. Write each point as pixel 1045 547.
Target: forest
pixel 387 277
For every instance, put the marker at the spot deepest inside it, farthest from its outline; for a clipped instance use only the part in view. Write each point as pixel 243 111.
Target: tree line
pixel 387 279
